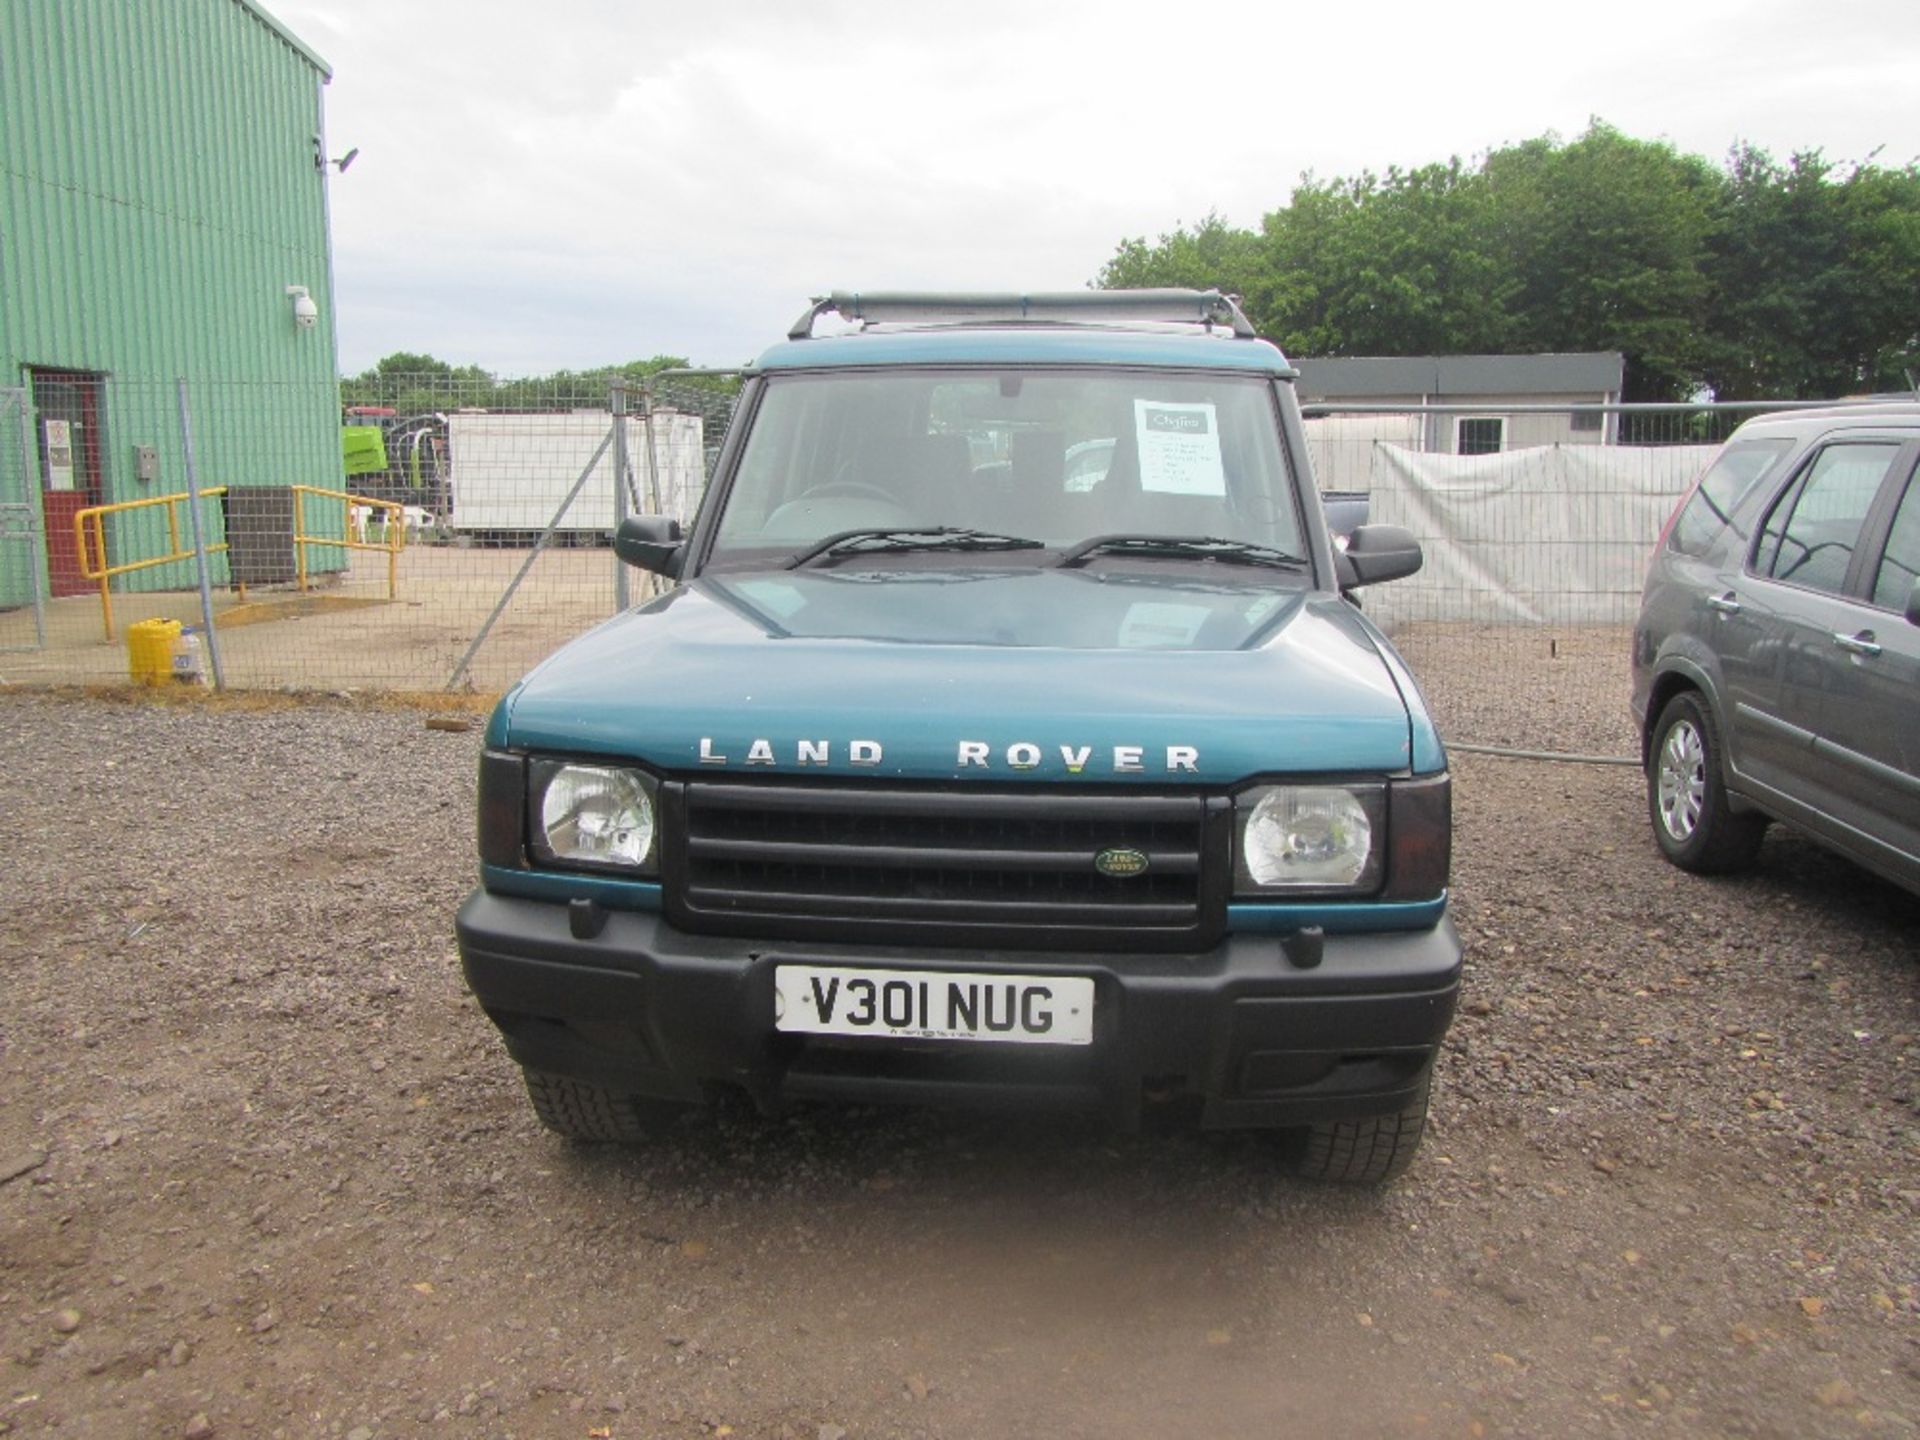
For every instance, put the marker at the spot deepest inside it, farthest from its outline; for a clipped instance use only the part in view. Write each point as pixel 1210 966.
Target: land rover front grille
pixel 1033 866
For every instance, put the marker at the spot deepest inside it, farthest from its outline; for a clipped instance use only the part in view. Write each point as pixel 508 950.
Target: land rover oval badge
pixel 1120 864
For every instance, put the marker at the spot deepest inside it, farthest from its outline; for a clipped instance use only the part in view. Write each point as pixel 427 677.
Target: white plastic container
pixel 188 663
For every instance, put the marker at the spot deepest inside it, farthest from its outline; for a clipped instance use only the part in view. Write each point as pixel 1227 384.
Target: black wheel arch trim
pixel 1672 674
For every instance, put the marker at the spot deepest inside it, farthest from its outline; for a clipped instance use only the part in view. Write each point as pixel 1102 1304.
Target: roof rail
pixel 1159 307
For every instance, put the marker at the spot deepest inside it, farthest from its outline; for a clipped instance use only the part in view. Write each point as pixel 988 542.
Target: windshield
pixel 1059 457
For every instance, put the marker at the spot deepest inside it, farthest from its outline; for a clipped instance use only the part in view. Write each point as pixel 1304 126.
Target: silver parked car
pixel 1776 664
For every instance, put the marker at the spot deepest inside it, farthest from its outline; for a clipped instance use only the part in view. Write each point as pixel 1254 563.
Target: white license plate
pixel 934 1005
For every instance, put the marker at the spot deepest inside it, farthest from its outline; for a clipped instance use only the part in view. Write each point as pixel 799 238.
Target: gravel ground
pixel 265 1170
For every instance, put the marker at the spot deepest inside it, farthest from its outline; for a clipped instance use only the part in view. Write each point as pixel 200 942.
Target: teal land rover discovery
pixel 1007 735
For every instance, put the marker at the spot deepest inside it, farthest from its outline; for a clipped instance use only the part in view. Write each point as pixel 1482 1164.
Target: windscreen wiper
pixel 920 537
pixel 1190 547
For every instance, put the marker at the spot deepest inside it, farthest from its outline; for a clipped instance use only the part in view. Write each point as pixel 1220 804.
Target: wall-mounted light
pixel 306 314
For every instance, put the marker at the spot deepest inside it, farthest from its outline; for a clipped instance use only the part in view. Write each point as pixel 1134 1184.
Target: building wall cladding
pixel 1522 429
pixel 160 193
pixel 1490 383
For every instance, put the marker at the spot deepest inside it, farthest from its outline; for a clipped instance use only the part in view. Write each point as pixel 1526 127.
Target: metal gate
pixel 22 554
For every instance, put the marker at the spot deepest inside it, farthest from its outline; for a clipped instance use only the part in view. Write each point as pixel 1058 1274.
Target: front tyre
pixel 1693 820
pixel 1369 1151
pixel 581 1111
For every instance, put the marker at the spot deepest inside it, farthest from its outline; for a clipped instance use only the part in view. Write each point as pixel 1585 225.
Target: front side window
pixel 1052 456
pixel 1900 564
pixel 1810 538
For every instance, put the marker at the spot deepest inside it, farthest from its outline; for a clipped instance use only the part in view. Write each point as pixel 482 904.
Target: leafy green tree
pixel 1815 274
pixel 1384 265
pixel 1606 240
pixel 419 384
pixel 415 384
pixel 410 364
pixel 1753 280
pixel 1212 255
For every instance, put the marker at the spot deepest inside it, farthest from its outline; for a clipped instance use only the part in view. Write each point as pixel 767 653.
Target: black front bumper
pixel 644 1008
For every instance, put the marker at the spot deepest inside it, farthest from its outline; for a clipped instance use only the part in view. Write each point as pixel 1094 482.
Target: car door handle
pixel 1725 604
pixel 1861 644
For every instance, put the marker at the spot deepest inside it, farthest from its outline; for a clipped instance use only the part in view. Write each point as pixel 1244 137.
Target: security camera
pixel 306 314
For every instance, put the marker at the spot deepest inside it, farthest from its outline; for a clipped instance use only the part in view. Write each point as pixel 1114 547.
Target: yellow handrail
pixel 90 523
pixel 393 539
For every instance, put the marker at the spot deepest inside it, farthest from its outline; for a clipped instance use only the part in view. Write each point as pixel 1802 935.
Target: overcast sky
pixel 586 182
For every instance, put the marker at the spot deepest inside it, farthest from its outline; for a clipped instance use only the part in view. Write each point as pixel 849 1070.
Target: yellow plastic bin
pixel 150 651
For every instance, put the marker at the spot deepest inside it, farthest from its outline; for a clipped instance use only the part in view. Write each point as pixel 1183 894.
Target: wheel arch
pixel 1676 674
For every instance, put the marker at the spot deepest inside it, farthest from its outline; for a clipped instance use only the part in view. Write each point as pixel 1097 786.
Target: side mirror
pixel 1380 552
pixel 649 542
pixel 1913 604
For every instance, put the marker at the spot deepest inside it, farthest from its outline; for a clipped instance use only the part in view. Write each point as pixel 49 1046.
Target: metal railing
pixel 392 541
pixel 90 544
pixel 1628 422
pixel 90 540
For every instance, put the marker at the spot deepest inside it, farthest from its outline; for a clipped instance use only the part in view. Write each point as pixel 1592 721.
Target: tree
pixel 1814 278
pixel 1393 265
pixel 418 384
pixel 1607 241
pixel 1882 209
pixel 1754 279
pixel 1213 255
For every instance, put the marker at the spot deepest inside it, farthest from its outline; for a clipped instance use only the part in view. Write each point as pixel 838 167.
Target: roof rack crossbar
pixel 1162 307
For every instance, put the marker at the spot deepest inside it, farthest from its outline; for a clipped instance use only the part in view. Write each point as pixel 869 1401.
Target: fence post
pixel 199 538
pixel 539 545
pixel 653 452
pixel 29 512
pixel 617 403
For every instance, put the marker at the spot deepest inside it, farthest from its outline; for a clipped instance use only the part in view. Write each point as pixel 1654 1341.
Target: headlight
pixel 1310 837
pixel 594 815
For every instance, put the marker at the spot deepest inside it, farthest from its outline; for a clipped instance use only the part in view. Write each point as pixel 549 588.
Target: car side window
pixel 1812 534
pixel 1731 475
pixel 1900 564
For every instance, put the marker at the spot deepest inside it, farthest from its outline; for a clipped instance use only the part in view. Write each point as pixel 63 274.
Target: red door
pixel 64 576
pixel 68 407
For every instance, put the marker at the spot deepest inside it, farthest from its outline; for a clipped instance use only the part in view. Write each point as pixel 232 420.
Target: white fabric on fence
pixel 511 471
pixel 1341 446
pixel 1556 534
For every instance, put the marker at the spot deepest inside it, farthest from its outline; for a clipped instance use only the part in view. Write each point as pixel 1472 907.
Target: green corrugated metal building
pixel 163 181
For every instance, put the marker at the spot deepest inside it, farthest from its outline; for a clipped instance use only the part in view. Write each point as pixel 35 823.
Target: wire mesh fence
pixel 447 532
pixel 20 526
pixel 438 532
pixel 1537 522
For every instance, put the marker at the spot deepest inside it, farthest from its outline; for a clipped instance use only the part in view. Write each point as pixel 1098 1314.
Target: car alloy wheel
pixel 1695 821
pixel 1682 781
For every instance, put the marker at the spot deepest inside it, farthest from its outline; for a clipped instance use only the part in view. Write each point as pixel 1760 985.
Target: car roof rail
pixel 1066 307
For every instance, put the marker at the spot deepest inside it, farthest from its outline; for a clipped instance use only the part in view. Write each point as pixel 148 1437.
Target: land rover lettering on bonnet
pixel 1005 734
pixel 981 754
